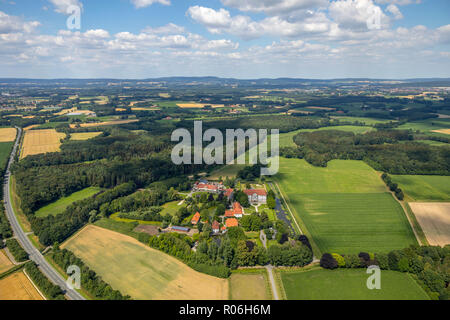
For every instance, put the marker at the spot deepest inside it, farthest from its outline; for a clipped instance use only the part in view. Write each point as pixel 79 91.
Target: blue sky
pixel 227 38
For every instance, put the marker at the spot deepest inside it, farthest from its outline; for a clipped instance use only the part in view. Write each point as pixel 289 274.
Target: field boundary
pixel 35 286
pixel 316 250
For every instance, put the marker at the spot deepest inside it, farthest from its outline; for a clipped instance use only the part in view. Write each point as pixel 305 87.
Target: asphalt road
pixel 20 235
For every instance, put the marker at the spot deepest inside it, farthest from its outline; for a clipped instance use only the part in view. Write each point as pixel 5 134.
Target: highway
pixel 20 235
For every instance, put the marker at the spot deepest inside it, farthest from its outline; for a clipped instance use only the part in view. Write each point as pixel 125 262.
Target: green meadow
pixel 5 150
pixel 344 207
pixel 425 188
pixel 349 284
pixel 60 205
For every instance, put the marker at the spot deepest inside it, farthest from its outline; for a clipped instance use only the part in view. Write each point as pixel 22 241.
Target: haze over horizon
pixel 245 39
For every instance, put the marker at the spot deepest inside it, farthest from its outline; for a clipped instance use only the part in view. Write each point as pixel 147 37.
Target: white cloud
pixel 221 21
pixel 62 6
pixel 145 3
pixel 357 14
pixel 392 8
pixel 398 2
pixel 169 28
pixel 10 24
pixel 274 6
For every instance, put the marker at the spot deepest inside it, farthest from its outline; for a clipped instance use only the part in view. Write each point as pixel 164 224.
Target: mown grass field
pixel 5 150
pixel 425 188
pixel 349 284
pixel 18 287
pixel 344 207
pixel 354 222
pixel 349 176
pixel 60 205
pixel 140 271
pixel 249 286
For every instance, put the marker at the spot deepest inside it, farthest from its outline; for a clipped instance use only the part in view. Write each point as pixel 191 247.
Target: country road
pixel 34 254
pixel 269 268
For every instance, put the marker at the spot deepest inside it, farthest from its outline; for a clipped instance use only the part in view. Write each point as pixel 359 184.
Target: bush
pixel 328 262
pixel 382 261
pixel 340 260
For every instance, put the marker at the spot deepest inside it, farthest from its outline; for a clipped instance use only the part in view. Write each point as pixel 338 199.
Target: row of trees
pixel 393 186
pixel 231 251
pixel 430 265
pixel 50 290
pixel 20 255
pixel 5 228
pixel 90 281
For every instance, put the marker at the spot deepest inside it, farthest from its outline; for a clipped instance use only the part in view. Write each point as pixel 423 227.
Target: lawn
pixel 349 284
pixel 425 188
pixel 60 205
pixel 344 207
pixel 249 286
pixel 140 271
pixel 171 208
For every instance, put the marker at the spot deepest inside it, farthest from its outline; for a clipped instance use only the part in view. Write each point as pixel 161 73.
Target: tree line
pixel 429 265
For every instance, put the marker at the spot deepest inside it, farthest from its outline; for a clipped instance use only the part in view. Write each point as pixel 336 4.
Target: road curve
pixel 34 254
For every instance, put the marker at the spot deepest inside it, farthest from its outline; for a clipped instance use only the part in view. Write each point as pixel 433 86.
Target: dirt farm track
pixel 434 218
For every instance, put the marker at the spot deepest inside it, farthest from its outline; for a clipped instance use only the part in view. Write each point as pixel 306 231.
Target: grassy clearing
pixel 226 171
pixel 249 286
pixel 425 188
pixel 171 208
pixel 140 271
pixel 344 207
pixel 18 287
pixel 60 205
pixel 367 121
pixel 349 284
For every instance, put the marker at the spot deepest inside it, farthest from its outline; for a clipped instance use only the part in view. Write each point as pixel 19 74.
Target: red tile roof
pixel 232 223
pixel 259 192
pixel 195 218
pixel 237 208
pixel 228 192
pixel 215 225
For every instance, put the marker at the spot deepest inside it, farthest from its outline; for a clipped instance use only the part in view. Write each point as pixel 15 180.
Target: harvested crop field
pixel 248 286
pixel 445 131
pixel 84 136
pixel 434 218
pixel 18 287
pixel 5 263
pixel 7 134
pixel 198 105
pixel 41 141
pixel 140 271
pixel 100 124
